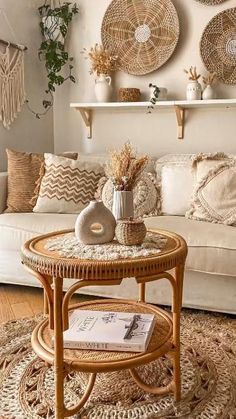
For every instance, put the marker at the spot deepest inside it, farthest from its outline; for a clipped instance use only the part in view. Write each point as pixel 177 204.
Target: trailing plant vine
pixel 54 27
pixel 154 97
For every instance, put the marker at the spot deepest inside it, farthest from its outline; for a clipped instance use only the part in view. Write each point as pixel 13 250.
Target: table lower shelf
pixel 104 361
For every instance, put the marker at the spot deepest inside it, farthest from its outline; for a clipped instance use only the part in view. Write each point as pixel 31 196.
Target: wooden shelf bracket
pixel 180 121
pixel 87 118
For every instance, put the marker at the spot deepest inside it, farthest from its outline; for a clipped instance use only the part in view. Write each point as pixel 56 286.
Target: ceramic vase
pixel 103 89
pixel 123 204
pixel 194 90
pixel 162 94
pixel 95 224
pixel 209 93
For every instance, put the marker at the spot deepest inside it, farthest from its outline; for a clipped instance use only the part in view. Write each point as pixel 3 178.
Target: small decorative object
pixel 95 224
pixel 143 34
pixel 56 17
pixel 156 94
pixel 209 91
pixel 129 94
pixel 130 232
pixel 103 63
pixel 194 88
pixel 211 2
pixel 103 89
pixel 124 170
pixel 218 46
pixel 123 204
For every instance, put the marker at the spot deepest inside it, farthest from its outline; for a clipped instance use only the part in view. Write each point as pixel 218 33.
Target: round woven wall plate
pixel 211 2
pixel 218 46
pixel 143 33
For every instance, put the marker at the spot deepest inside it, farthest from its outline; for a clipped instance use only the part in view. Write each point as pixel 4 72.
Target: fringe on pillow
pixel 197 203
pixel 219 155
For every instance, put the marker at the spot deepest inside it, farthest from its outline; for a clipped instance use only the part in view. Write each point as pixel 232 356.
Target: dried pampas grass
pixel 125 168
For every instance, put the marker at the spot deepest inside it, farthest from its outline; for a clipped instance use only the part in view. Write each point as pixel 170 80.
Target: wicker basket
pixel 129 94
pixel 130 232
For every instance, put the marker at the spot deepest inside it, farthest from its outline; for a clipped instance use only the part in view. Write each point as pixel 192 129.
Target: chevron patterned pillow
pixel 67 185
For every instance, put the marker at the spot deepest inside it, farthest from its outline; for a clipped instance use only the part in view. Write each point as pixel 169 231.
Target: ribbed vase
pixel 123 204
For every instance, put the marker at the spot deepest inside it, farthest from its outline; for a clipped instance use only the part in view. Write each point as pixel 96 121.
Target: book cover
pixel 110 331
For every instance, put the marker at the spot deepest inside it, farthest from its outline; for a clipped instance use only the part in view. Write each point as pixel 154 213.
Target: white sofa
pixel 210 279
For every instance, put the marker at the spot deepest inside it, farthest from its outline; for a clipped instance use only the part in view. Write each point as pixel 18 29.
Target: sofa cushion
pixel 173 171
pixel 16 229
pixel 67 185
pixel 212 247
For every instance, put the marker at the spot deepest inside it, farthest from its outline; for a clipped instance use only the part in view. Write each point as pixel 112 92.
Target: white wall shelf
pixel 179 106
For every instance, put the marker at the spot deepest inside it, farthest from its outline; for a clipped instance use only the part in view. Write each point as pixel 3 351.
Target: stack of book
pixel 110 331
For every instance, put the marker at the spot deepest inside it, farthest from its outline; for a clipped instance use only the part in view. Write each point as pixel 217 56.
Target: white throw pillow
pixel 67 185
pixel 174 172
pixel 176 189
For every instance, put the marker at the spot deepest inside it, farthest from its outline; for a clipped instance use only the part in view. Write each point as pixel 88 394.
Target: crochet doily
pixel 67 246
pixel 208 367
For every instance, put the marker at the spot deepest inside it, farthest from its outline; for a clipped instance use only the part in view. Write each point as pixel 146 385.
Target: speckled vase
pixel 95 224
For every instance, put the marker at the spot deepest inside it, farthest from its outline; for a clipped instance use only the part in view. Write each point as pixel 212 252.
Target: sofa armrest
pixel 3 191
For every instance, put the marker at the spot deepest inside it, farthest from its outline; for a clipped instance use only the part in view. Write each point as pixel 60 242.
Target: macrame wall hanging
pixel 12 84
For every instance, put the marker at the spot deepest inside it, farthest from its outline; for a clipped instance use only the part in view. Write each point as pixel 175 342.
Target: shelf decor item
pixel 194 88
pixel 130 232
pixel 218 46
pixel 209 91
pixel 103 63
pixel 143 34
pixel 95 224
pixel 211 2
pixel 129 94
pixel 124 170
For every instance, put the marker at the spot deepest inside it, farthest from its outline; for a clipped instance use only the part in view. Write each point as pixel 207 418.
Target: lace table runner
pixel 68 246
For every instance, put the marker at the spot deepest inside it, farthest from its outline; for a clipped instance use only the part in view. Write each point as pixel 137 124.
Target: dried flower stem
pixel 102 61
pixel 192 73
pixel 209 79
pixel 124 168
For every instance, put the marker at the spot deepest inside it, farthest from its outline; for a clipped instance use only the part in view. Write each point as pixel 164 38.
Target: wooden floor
pixel 17 302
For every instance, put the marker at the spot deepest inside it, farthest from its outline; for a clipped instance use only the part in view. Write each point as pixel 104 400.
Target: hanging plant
pixel 155 91
pixel 55 23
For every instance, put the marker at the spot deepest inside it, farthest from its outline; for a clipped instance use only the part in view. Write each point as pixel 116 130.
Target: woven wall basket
pixel 144 33
pixel 218 46
pixel 211 2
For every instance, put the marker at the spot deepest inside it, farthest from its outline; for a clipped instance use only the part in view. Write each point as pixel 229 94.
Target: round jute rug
pixel 208 377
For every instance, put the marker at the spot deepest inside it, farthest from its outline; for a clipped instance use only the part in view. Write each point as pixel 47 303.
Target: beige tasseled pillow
pixel 24 171
pixel 214 198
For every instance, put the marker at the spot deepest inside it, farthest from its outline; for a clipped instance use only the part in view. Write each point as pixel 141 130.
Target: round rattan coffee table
pixel 50 269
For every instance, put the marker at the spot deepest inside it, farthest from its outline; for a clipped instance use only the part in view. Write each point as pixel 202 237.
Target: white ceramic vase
pixel 209 93
pixel 194 90
pixel 95 224
pixel 103 89
pixel 162 94
pixel 123 204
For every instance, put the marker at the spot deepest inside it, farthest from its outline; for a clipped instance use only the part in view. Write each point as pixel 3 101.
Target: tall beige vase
pixel 95 224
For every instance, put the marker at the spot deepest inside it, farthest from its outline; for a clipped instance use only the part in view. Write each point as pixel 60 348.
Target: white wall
pixel 206 130
pixel 27 133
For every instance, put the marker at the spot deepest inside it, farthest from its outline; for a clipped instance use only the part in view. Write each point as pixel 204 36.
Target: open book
pixel 110 331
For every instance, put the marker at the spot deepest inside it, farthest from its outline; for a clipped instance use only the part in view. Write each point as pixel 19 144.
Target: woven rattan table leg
pixel 58 349
pixel 177 297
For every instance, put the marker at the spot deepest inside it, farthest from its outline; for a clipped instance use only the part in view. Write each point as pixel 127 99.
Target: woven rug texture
pixel 208 367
